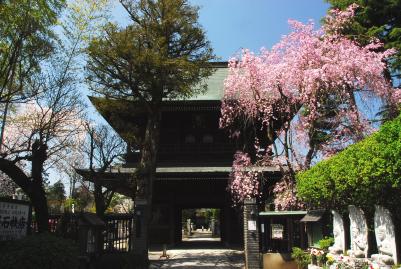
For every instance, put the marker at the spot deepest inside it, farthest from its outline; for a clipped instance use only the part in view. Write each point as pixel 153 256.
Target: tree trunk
pixel 38 197
pixel 146 178
pixel 99 200
pixel 33 190
pixel 39 202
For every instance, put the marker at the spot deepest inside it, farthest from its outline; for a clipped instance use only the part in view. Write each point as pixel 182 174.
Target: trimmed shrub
pixel 326 242
pixel 41 251
pixel 365 174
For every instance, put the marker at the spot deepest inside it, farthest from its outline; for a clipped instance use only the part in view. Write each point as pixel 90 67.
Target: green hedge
pixel 365 174
pixel 42 251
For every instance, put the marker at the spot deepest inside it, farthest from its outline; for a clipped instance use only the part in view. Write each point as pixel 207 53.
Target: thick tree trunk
pixel 32 189
pixel 39 202
pixel 38 196
pixel 149 156
pixel 33 185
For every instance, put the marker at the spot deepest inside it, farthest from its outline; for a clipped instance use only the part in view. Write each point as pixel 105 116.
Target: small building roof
pixel 282 213
pixel 314 215
pixel 183 169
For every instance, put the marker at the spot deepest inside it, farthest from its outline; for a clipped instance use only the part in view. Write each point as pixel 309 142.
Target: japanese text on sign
pixel 13 220
pixel 277 231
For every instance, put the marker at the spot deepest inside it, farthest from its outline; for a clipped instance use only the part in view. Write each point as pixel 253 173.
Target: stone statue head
pixel 381 233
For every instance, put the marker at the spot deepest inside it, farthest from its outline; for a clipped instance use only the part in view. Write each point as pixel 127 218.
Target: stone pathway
pixel 195 258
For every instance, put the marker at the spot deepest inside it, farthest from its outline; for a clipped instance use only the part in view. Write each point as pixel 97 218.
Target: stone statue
pixel 359 233
pixel 385 238
pixel 339 234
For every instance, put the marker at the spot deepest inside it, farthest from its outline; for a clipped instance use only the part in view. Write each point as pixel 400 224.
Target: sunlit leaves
pixel 366 174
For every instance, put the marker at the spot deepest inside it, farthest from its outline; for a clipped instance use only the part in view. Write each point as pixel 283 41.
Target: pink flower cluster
pixel 316 252
pixel 397 96
pixel 285 195
pixel 337 20
pixel 303 71
pixel 305 66
pixel 244 182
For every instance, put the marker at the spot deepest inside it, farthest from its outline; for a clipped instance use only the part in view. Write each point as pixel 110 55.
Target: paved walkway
pixel 199 235
pixel 192 257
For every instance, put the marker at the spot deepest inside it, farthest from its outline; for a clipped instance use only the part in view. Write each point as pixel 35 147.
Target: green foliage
pixel 322 259
pixel 55 196
pixel 396 266
pixel 26 38
pixel 188 214
pixel 365 174
pixel 162 54
pixel 301 257
pixel 43 251
pixel 82 199
pixel 326 242
pixel 68 204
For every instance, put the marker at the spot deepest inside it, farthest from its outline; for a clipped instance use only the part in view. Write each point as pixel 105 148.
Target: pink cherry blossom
pixel 243 183
pixel 62 131
pixel 293 83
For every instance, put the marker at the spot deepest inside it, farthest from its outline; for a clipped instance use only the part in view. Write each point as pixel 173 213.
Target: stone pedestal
pixel 381 266
pixel 313 266
pixel 351 263
pixel 359 263
pixel 251 235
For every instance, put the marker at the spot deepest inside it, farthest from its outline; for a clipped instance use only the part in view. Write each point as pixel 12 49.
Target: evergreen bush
pixel 41 251
pixel 364 174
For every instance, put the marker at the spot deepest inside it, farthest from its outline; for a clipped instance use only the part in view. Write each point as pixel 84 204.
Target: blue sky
pixel 235 24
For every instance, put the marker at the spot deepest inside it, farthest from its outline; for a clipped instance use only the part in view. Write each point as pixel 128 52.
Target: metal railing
pixel 117 236
pixel 117 233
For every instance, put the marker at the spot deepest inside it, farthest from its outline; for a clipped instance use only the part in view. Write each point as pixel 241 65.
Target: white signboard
pixel 251 225
pixel 14 219
pixel 277 231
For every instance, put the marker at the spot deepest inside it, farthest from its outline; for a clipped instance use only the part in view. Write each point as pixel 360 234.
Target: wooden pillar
pixel 172 223
pixel 251 235
pixel 290 233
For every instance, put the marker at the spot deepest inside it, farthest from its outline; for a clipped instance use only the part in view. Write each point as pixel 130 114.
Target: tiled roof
pixel 215 86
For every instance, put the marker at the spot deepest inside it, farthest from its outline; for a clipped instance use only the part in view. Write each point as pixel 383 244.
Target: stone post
pixel 251 235
pixel 139 238
pixel 213 227
pixel 189 230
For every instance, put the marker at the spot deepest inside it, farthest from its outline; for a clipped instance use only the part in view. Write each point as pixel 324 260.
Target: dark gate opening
pixel 201 224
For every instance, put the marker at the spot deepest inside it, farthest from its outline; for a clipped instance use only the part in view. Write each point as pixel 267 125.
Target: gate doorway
pixel 201 225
